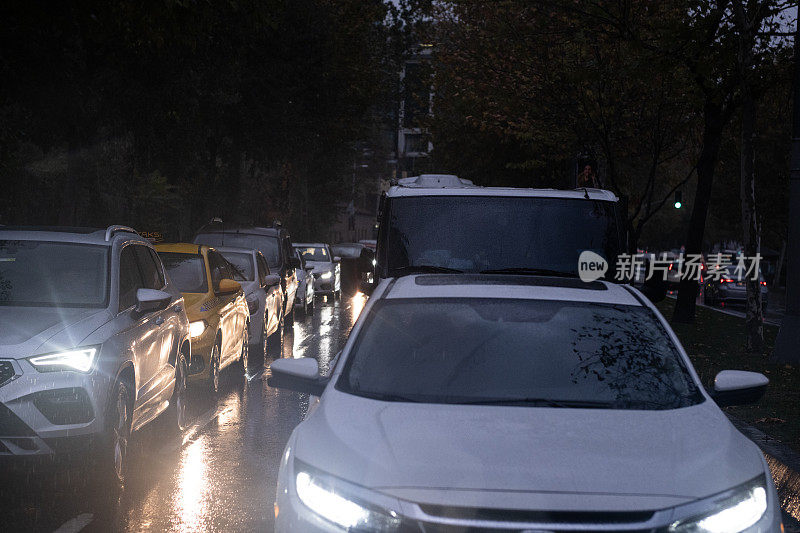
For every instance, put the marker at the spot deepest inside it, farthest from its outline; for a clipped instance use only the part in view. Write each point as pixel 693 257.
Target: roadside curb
pixel 784 464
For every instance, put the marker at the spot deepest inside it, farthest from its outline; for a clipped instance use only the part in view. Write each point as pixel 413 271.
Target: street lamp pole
pixel 787 345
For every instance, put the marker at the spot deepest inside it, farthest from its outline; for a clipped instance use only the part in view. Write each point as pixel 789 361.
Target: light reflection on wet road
pixel 219 474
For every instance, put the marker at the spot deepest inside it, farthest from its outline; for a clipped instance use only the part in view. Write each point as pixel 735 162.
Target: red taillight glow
pixel 763 283
pixel 725 280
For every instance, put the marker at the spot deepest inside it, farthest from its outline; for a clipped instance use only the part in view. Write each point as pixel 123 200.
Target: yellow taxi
pixel 216 307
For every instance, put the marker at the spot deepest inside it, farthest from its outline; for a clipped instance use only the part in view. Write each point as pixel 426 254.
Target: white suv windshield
pixel 517 352
pixel 314 253
pixel 56 274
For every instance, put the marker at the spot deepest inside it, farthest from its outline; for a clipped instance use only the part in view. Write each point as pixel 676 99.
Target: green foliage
pixel 201 99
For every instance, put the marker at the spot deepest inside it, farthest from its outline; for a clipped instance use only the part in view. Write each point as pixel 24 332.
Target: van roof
pixel 450 185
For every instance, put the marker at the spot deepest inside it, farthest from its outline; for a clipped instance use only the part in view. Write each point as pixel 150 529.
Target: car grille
pixel 583 522
pixel 6 372
pixel 11 425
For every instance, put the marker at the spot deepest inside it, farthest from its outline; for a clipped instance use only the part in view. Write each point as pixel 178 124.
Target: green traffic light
pixel 678 205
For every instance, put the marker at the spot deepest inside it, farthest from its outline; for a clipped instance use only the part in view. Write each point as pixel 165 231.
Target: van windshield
pixel 478 233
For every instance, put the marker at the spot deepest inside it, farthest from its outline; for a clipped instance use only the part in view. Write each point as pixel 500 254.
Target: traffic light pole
pixel 787 345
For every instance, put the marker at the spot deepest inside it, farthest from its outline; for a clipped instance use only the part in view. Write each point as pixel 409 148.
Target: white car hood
pixel 528 457
pixel 24 330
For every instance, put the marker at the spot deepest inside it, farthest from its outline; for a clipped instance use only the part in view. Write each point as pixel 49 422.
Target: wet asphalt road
pixel 219 474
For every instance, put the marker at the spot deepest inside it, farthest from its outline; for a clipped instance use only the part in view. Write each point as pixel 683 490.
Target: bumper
pixel 201 355
pixel 43 413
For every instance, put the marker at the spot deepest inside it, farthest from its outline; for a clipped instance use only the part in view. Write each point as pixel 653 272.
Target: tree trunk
pixel 714 121
pixel 751 235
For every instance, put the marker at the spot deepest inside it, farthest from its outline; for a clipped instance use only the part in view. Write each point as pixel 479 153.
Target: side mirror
pixel 272 280
pixel 367 287
pixel 309 269
pixel 149 300
pixel 301 375
pixel 228 286
pixel 294 262
pixel 737 387
pixel 337 259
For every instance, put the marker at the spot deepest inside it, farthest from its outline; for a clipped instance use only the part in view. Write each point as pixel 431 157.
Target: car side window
pixel 130 280
pixel 287 250
pixel 263 269
pixel 219 269
pixel 159 267
pixel 148 267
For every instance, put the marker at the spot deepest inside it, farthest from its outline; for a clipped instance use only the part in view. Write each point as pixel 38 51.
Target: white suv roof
pixel 450 185
pixel 507 286
pixel 69 234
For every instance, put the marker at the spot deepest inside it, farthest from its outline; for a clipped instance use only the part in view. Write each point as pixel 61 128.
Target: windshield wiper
pixel 547 402
pixel 530 272
pixel 424 269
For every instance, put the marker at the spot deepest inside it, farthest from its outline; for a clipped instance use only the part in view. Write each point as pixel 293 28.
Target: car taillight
pixel 725 280
pixel 763 283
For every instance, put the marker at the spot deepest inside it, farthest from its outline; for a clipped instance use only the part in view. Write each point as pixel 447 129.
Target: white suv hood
pixel 527 456
pixel 23 330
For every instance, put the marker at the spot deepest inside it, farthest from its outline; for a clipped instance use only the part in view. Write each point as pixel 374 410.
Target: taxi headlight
pixel 321 495
pixel 326 275
pixel 80 360
pixel 197 328
pixel 733 512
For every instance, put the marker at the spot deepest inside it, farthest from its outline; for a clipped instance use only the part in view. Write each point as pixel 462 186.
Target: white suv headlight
pixel 80 360
pixel 731 512
pixel 326 275
pixel 322 495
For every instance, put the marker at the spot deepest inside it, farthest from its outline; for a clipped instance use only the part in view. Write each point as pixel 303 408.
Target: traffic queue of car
pixel 486 387
pixel 102 331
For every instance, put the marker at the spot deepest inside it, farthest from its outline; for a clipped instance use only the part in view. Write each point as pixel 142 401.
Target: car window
pixel 263 269
pixel 218 267
pixel 148 268
pixel 159 266
pixel 43 273
pixel 498 233
pixel 314 253
pixel 265 244
pixel 186 271
pixel 288 249
pixel 466 350
pixel 130 277
pixel 242 265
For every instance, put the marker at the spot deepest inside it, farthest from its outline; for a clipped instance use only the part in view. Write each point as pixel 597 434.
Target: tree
pixel 539 89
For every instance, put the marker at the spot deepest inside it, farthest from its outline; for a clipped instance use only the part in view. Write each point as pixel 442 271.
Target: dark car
pixel 357 262
pixel 274 243
pixel 731 289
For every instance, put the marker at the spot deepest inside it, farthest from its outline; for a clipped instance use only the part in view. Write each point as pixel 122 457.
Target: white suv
pixel 93 343
pixel 467 402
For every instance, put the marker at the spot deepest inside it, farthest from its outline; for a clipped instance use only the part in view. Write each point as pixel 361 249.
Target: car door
pixel 227 309
pixel 140 333
pixel 263 272
pixel 168 322
pixel 290 273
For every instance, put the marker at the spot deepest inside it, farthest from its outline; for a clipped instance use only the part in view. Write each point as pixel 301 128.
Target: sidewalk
pixel 784 463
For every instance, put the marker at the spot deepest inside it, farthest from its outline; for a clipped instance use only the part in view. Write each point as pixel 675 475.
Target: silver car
pixel 326 268
pixel 305 286
pixel 93 343
pixel 262 291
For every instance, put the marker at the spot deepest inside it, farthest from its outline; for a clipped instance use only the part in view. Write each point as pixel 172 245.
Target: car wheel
pixel 213 369
pixel 117 435
pixel 178 401
pixel 245 355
